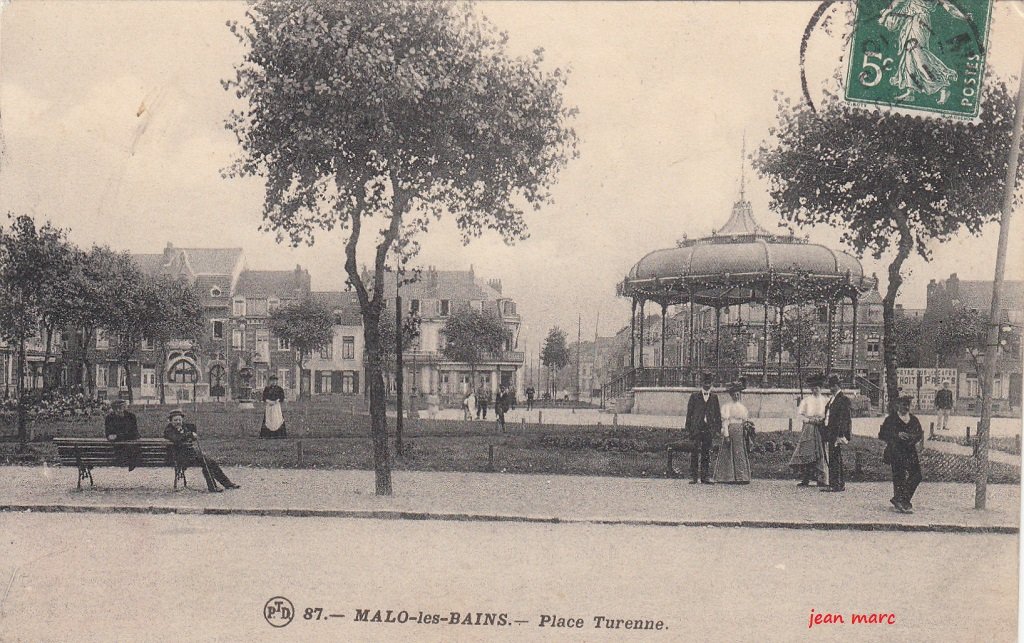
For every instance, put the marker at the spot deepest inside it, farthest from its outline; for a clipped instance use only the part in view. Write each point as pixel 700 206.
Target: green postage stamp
pixel 920 55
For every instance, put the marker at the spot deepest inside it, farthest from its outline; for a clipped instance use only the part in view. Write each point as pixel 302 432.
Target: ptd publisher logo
pixel 279 611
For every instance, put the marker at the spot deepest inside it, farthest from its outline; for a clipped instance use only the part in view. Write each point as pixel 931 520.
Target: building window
pixel 263 344
pixel 476 305
pixel 147 344
pixel 414 306
pixel 102 375
pixel 273 304
pixel 510 307
pixel 218 329
pixel 874 348
pixel 283 344
pixel 148 380
pixel 445 307
pixel 348 382
pixel 823 313
pixel 282 377
pixel 238 307
pixel 122 377
pixel 256 307
pixel 348 347
pixel 236 339
pixel 102 341
pixel 326 351
pixel 215 292
pixel 325 382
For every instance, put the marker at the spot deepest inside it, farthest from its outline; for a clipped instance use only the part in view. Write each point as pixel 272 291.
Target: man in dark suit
pixel 703 423
pixel 120 425
pixel 185 438
pixel 837 432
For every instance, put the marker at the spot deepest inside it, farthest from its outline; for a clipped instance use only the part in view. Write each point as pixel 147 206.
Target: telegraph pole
pixel 992 337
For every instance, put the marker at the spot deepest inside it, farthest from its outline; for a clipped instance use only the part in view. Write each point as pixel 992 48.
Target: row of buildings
pixel 238 353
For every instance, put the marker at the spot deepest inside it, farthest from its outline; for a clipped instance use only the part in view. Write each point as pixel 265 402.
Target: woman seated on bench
pixel 186 442
pixel 120 425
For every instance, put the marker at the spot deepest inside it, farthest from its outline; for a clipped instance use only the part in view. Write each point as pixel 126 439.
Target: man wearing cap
pixel 120 425
pixel 901 431
pixel 186 444
pixel 837 432
pixel 703 422
pixel 943 404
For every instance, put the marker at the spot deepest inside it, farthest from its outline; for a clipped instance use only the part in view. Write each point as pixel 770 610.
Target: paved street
pixel 106 577
pixel 516 496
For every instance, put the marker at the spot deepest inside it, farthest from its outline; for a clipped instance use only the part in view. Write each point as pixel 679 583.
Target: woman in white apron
pixel 273 415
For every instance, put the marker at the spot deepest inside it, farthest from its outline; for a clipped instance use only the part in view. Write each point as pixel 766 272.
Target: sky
pixel 112 117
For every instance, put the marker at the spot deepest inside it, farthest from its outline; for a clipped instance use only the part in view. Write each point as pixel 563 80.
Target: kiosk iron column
pixel 853 349
pixel 641 356
pixel 632 335
pixel 764 347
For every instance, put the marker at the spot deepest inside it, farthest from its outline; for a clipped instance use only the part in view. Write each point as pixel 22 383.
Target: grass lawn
pixel 334 437
pixel 1007 445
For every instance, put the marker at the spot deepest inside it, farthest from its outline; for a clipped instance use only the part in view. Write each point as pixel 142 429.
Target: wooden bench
pixel 86 453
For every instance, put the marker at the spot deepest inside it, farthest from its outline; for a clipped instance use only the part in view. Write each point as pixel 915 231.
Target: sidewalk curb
pixel 464 517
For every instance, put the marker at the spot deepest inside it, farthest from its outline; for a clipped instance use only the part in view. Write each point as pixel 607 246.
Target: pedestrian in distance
pixel 901 431
pixel 733 465
pixel 468 405
pixel 943 404
pixel 121 425
pixel 501 406
pixel 703 423
pixel 483 400
pixel 273 412
pixel 838 431
pixel 530 393
pixel 808 459
pixel 185 438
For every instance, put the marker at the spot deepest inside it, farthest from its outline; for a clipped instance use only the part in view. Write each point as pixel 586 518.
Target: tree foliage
pixel 172 312
pixel 893 184
pixel 802 339
pixel 470 334
pixel 306 325
pixel 383 116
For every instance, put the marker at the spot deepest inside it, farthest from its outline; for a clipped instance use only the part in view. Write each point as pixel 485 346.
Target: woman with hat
pixel 809 457
pixel 733 464
pixel 186 449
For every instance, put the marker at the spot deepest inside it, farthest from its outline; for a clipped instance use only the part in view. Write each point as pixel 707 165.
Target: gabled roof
pixel 283 284
pixel 345 306
pixel 209 261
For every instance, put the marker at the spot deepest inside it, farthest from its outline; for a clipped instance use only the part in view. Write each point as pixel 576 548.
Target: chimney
pixel 495 284
pixel 168 252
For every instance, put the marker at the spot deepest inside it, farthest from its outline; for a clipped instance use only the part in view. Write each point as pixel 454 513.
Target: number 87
pixel 867 65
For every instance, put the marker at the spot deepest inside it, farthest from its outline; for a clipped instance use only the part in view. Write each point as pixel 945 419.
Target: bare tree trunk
pixel 889 311
pixel 162 368
pixel 378 402
pixel 127 365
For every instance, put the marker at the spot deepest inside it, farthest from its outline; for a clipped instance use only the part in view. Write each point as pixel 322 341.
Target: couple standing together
pixel 705 418
pixel 827 424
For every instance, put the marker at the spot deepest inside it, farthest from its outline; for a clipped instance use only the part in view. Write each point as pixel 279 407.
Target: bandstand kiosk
pixel 740 263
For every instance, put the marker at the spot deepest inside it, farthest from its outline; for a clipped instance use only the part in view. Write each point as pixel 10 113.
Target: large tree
pixel 125 312
pixel 383 116
pixel 893 184
pixel 470 334
pixel 30 257
pixel 307 326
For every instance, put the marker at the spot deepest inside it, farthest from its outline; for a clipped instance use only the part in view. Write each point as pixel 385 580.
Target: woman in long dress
pixel 273 414
pixel 918 69
pixel 809 458
pixel 733 464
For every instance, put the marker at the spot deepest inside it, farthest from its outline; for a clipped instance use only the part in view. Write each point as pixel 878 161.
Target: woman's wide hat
pixel 735 387
pixel 175 413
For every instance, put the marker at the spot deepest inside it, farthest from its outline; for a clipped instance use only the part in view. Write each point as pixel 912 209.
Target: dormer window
pixel 273 303
pixel 238 307
pixel 215 292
